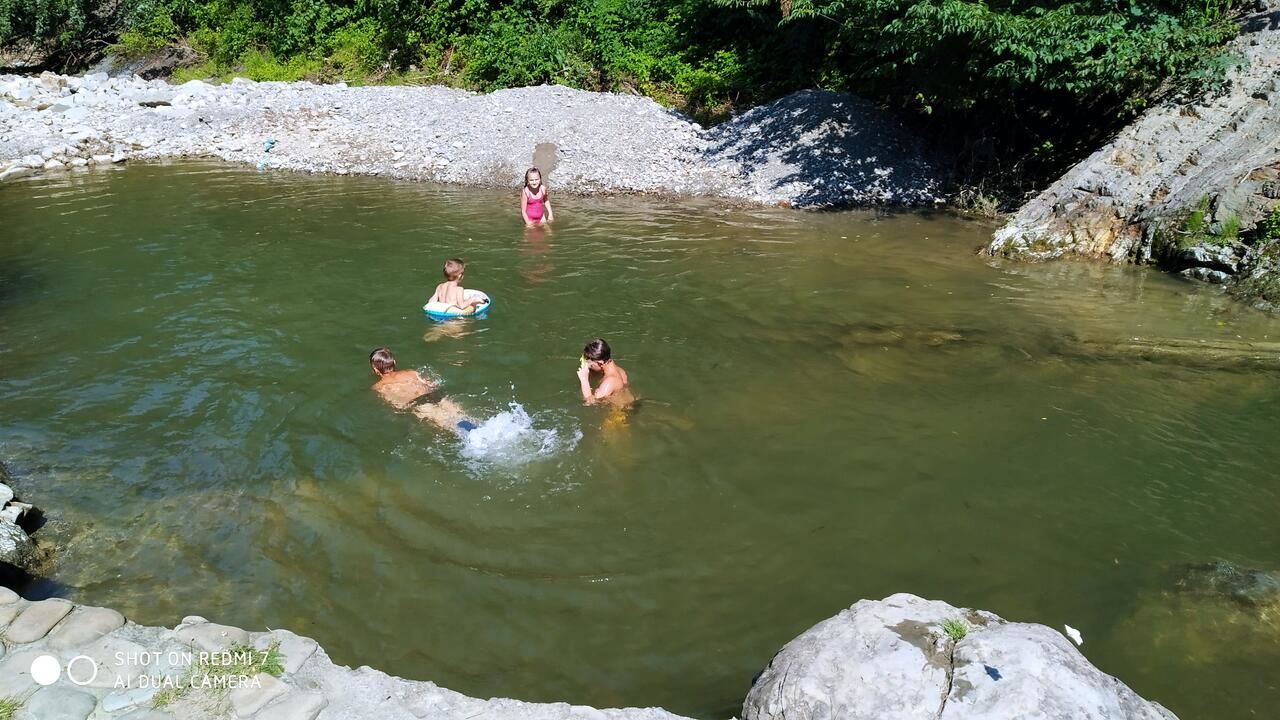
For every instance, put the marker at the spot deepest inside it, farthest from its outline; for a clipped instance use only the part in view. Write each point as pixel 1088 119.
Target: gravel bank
pixel 810 149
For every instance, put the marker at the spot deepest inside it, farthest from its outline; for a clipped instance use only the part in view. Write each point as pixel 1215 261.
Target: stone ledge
pixel 877 660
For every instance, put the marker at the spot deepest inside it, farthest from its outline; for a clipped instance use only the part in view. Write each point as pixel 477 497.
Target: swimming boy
pixel 449 291
pixel 614 385
pixel 408 390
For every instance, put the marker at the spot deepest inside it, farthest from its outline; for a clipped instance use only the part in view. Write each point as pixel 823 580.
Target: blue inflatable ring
pixel 444 311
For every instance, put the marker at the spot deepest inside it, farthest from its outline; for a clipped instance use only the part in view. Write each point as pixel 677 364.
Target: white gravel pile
pixel 810 149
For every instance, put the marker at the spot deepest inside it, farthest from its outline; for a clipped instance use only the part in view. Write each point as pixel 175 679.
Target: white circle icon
pixel 45 670
pixel 93 667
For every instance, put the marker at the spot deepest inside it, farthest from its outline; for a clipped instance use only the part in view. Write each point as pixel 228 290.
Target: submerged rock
pixel 906 658
pixel 1244 586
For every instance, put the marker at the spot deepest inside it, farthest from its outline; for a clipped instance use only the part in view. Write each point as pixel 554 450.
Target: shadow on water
pixel 17 280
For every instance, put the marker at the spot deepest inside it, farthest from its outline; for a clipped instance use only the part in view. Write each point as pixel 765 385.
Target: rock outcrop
pixel 1183 186
pixel 891 659
pixel 19 555
pixel 906 658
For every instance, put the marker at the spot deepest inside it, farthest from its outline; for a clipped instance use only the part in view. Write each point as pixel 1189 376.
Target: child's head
pixel 533 178
pixel 597 353
pixel 382 361
pixel 453 269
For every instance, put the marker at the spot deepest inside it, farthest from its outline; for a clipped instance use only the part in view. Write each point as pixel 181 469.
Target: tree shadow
pixel 1260 22
pixel 817 148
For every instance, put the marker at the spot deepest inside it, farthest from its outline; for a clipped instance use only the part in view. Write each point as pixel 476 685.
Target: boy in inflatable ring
pixel 408 390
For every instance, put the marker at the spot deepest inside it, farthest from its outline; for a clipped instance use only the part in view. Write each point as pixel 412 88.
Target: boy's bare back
pixel 451 293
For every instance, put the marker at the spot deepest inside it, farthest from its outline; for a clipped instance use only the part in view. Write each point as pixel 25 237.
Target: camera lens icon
pixel 81 670
pixel 46 670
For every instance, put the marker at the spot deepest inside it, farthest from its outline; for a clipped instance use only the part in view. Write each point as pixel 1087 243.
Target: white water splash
pixel 511 438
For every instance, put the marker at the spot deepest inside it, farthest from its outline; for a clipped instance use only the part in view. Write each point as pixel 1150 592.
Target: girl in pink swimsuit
pixel 535 206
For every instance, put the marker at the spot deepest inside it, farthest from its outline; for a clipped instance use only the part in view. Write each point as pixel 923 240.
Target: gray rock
pixel 14 173
pixel 892 660
pixel 1259 280
pixel 85 625
pixel 6 494
pixel 36 620
pixel 17 548
pixel 125 699
pixel 147 714
pixel 8 597
pixel 8 613
pixel 117 662
pixel 1216 277
pixel 58 702
pixel 295 648
pixel 160 63
pixel 211 636
pixel 11 514
pixel 885 660
pixel 1011 671
pixel 15 672
pixel 247 700
pixel 19 91
pixel 297 705
pixel 1225 258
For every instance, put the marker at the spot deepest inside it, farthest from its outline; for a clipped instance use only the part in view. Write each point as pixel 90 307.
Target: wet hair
pixel 545 191
pixel 382 361
pixel 597 350
pixel 453 269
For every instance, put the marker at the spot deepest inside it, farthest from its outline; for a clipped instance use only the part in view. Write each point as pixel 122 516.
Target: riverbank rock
pixel 894 659
pixel 158 64
pixel 1177 185
pixel 18 554
pixel 810 149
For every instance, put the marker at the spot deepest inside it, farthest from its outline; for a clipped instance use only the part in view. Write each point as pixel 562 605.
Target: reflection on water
pixel 832 406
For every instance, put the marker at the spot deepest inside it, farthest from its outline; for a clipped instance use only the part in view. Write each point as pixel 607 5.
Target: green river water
pixel 834 406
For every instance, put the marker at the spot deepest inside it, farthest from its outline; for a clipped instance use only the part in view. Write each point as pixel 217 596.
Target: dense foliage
pixel 1024 79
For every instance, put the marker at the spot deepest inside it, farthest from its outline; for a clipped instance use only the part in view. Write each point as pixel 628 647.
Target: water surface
pixel 835 406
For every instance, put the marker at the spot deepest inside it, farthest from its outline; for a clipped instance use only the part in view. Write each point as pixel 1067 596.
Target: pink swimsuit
pixel 533 204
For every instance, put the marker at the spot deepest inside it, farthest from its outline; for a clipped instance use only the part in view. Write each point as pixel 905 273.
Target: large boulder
pixel 158 64
pixel 17 551
pixel 893 659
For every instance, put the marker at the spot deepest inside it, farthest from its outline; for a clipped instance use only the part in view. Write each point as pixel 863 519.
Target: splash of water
pixel 511 438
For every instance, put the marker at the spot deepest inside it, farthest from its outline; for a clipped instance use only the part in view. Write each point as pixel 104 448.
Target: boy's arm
pixel 584 385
